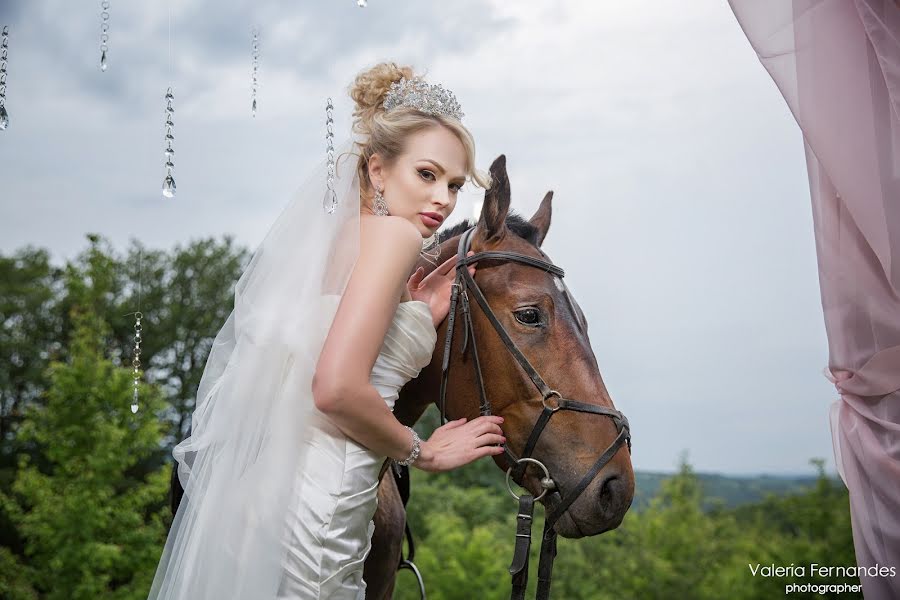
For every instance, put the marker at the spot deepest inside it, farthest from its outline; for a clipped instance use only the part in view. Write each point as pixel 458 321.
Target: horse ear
pixel 541 218
pixel 492 223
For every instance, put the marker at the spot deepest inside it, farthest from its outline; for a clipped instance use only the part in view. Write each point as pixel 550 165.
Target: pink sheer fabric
pixel 837 64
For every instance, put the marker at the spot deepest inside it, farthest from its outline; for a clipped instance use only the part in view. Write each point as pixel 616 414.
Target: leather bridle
pixel 551 401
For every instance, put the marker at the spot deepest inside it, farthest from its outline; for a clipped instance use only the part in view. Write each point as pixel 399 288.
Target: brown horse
pixel 548 326
pixel 556 344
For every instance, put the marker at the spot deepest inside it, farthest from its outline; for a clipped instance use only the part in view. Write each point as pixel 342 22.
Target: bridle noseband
pixel 551 400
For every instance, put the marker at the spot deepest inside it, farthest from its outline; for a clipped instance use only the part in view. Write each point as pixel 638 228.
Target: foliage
pixel 676 547
pixel 185 296
pixel 91 526
pixel 83 481
pixel 30 330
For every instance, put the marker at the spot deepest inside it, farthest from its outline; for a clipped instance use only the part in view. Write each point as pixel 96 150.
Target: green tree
pixel 192 297
pixel 800 529
pixel 92 527
pixel 185 294
pixel 29 327
pixel 459 562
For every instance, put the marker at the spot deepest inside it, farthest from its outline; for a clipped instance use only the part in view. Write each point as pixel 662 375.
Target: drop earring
pixel 379 207
pixel 431 248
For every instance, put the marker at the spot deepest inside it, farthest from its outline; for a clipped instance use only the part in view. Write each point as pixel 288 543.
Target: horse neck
pixel 416 395
pixel 410 407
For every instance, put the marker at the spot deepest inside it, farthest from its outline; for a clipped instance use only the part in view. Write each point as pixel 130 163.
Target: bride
pixel 294 418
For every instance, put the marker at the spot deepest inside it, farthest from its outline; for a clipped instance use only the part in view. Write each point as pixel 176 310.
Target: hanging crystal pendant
pixel 329 203
pixel 362 3
pixel 136 361
pixel 168 188
pixel 255 72
pixel 104 33
pixel 4 44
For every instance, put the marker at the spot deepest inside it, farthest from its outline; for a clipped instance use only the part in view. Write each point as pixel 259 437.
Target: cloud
pixel 681 208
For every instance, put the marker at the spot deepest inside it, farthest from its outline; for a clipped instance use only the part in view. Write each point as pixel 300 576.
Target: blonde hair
pixel 386 132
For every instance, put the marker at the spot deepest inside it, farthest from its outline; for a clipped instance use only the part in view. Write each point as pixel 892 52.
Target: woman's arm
pixel 367 419
pixel 388 251
pixel 389 247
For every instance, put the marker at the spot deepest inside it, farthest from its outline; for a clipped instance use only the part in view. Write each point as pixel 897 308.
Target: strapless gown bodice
pixel 330 522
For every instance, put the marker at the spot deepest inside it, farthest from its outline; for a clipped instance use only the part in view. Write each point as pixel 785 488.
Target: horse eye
pixel 528 316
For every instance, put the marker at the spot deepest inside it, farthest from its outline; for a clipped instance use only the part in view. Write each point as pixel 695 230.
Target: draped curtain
pixel 837 64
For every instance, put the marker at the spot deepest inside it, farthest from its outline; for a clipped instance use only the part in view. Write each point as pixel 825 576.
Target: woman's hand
pixel 435 288
pixel 459 442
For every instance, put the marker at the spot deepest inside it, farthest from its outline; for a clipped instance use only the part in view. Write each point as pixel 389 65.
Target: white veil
pixel 228 537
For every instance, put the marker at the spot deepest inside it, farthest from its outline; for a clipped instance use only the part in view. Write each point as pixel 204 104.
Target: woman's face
pixel 426 178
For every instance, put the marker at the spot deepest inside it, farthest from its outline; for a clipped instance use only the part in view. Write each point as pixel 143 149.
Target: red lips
pixel 436 216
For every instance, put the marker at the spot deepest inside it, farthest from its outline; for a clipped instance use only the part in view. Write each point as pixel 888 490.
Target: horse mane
pixel 514 222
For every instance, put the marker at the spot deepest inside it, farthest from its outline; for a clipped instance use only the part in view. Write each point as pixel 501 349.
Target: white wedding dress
pixel 330 521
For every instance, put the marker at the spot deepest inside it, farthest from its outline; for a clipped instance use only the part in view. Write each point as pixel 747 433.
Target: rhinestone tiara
pixel 430 99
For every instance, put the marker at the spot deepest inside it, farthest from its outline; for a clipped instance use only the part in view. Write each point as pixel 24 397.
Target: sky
pixel 681 208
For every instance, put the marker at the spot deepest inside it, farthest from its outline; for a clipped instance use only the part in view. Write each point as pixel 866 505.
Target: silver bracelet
pixel 415 449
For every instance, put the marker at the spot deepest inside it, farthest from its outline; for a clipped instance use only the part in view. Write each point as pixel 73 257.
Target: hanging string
pixel 330 201
pixel 136 356
pixel 4 46
pixel 168 188
pixel 169 8
pixel 254 50
pixel 104 33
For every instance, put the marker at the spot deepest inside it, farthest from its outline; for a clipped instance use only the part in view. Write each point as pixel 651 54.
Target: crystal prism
pixel 330 202
pixel 4 117
pixel 362 3
pixel 103 64
pixel 253 108
pixel 168 189
pixel 134 408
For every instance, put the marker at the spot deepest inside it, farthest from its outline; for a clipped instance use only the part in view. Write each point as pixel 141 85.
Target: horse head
pixel 546 325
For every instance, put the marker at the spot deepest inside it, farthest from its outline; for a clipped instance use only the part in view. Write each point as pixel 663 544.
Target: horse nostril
pixel 614 500
pixel 608 489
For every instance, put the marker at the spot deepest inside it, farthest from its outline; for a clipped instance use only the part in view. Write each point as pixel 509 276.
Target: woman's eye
pixel 429 176
pixel 528 316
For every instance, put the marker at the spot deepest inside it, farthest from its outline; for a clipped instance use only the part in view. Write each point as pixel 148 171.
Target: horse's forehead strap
pixel 465 242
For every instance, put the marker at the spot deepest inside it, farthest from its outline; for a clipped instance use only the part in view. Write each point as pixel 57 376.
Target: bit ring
pixel 546 482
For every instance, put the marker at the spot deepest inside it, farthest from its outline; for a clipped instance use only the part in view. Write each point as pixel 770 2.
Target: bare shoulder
pixel 389 248
pixel 394 232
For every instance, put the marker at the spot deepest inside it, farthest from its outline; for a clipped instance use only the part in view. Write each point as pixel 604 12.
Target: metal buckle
pixel 547 482
pixel 556 405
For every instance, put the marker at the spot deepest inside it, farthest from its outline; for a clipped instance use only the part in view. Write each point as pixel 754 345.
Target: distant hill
pixel 732 490
pixel 729 491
